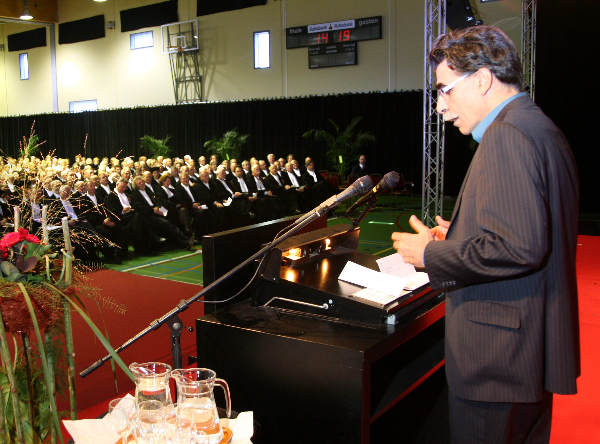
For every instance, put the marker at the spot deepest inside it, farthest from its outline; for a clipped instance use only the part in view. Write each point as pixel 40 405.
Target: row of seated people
pixel 172 210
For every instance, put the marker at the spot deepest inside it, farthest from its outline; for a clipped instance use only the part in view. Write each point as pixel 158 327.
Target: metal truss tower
pixel 528 32
pixel 180 41
pixel 187 80
pixel 433 124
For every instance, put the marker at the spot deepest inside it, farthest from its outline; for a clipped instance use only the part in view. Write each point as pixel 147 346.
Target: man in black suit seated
pixel 238 205
pixel 360 169
pixel 126 174
pixel 94 213
pixel 151 184
pixel 318 188
pixel 104 187
pixel 196 214
pixel 84 238
pixel 154 216
pixel 296 185
pixel 128 227
pixel 276 185
pixel 238 183
pixel 269 205
pixel 246 169
pixel 166 197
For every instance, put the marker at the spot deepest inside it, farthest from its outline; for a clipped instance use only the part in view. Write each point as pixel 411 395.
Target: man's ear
pixel 485 79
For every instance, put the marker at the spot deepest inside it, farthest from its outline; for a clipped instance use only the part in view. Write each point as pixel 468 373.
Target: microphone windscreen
pixel 362 185
pixel 390 180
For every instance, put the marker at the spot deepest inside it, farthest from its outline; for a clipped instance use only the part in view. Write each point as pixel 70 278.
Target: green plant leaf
pixel 44 359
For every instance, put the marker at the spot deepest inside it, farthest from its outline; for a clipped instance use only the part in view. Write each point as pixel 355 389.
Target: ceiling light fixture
pixel 26 15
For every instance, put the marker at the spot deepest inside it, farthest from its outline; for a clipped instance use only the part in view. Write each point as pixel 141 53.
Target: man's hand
pixel 439 232
pixel 412 246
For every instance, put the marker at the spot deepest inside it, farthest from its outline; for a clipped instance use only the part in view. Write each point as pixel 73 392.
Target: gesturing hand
pixel 412 246
pixel 439 232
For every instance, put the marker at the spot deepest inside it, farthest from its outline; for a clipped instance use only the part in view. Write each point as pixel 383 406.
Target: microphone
pixel 359 186
pixel 387 182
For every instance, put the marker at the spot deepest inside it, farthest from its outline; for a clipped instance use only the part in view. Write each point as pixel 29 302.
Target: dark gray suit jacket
pixel 508 264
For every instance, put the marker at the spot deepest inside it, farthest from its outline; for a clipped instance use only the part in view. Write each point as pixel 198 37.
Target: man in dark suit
pixel 360 169
pixel 506 259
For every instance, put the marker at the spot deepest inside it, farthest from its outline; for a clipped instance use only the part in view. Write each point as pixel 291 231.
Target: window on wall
pixel 262 50
pixel 24 66
pixel 79 106
pixel 139 40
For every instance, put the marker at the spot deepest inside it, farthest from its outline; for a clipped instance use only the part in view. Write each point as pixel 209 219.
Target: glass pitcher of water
pixel 151 381
pixel 196 402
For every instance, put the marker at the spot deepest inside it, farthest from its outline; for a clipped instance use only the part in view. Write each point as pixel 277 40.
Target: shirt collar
pixel 482 126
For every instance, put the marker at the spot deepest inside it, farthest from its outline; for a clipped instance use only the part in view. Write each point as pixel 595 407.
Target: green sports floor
pixel 391 214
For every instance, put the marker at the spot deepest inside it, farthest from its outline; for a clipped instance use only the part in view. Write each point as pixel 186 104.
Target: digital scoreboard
pixel 338 54
pixel 345 31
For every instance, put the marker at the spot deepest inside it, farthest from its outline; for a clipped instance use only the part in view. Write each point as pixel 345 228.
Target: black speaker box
pixel 148 16
pixel 205 7
pixel 27 40
pixel 81 30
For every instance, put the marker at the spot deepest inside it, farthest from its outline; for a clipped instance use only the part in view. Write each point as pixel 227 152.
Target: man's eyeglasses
pixel 444 91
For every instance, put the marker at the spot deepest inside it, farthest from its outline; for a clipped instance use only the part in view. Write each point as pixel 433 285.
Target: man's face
pixel 121 187
pixel 239 172
pixel 362 159
pixel 204 176
pixel 66 192
pixel 221 173
pixel 256 171
pixel 147 176
pixel 126 174
pixel 463 104
pixel 139 183
pixel 246 165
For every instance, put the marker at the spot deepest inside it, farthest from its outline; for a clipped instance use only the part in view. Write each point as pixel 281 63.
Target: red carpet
pixel 145 299
pixel 576 418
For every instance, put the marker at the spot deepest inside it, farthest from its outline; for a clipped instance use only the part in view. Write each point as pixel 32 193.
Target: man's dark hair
pixel 469 49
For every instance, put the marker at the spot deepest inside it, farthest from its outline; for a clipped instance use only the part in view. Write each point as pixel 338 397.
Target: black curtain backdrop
pixel 274 126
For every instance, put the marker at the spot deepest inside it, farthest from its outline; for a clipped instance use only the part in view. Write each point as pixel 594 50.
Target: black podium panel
pixel 312 380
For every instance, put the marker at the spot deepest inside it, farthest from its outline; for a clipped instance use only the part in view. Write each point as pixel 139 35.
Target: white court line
pixel 162 261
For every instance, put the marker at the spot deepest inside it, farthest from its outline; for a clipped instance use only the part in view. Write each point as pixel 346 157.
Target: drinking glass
pixel 150 427
pixel 121 411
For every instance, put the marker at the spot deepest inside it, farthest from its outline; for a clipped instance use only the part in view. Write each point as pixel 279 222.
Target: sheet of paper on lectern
pixel 395 265
pixel 371 279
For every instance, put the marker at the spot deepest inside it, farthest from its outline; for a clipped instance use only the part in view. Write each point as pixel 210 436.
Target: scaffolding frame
pixel 528 36
pixel 433 124
pixel 180 41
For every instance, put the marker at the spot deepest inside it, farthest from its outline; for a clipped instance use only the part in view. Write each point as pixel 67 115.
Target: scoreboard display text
pixel 368 28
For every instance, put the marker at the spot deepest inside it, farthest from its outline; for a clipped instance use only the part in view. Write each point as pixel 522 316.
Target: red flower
pixel 14 237
pixel 9 239
pixel 31 238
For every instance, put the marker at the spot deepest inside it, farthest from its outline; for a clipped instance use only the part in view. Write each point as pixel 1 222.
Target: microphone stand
pixel 370 205
pixel 172 319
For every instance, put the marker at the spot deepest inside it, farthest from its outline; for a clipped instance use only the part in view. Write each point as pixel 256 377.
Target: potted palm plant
pixel 228 146
pixel 342 143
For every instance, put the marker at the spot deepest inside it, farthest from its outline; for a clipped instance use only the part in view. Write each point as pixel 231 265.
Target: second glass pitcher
pixel 196 402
